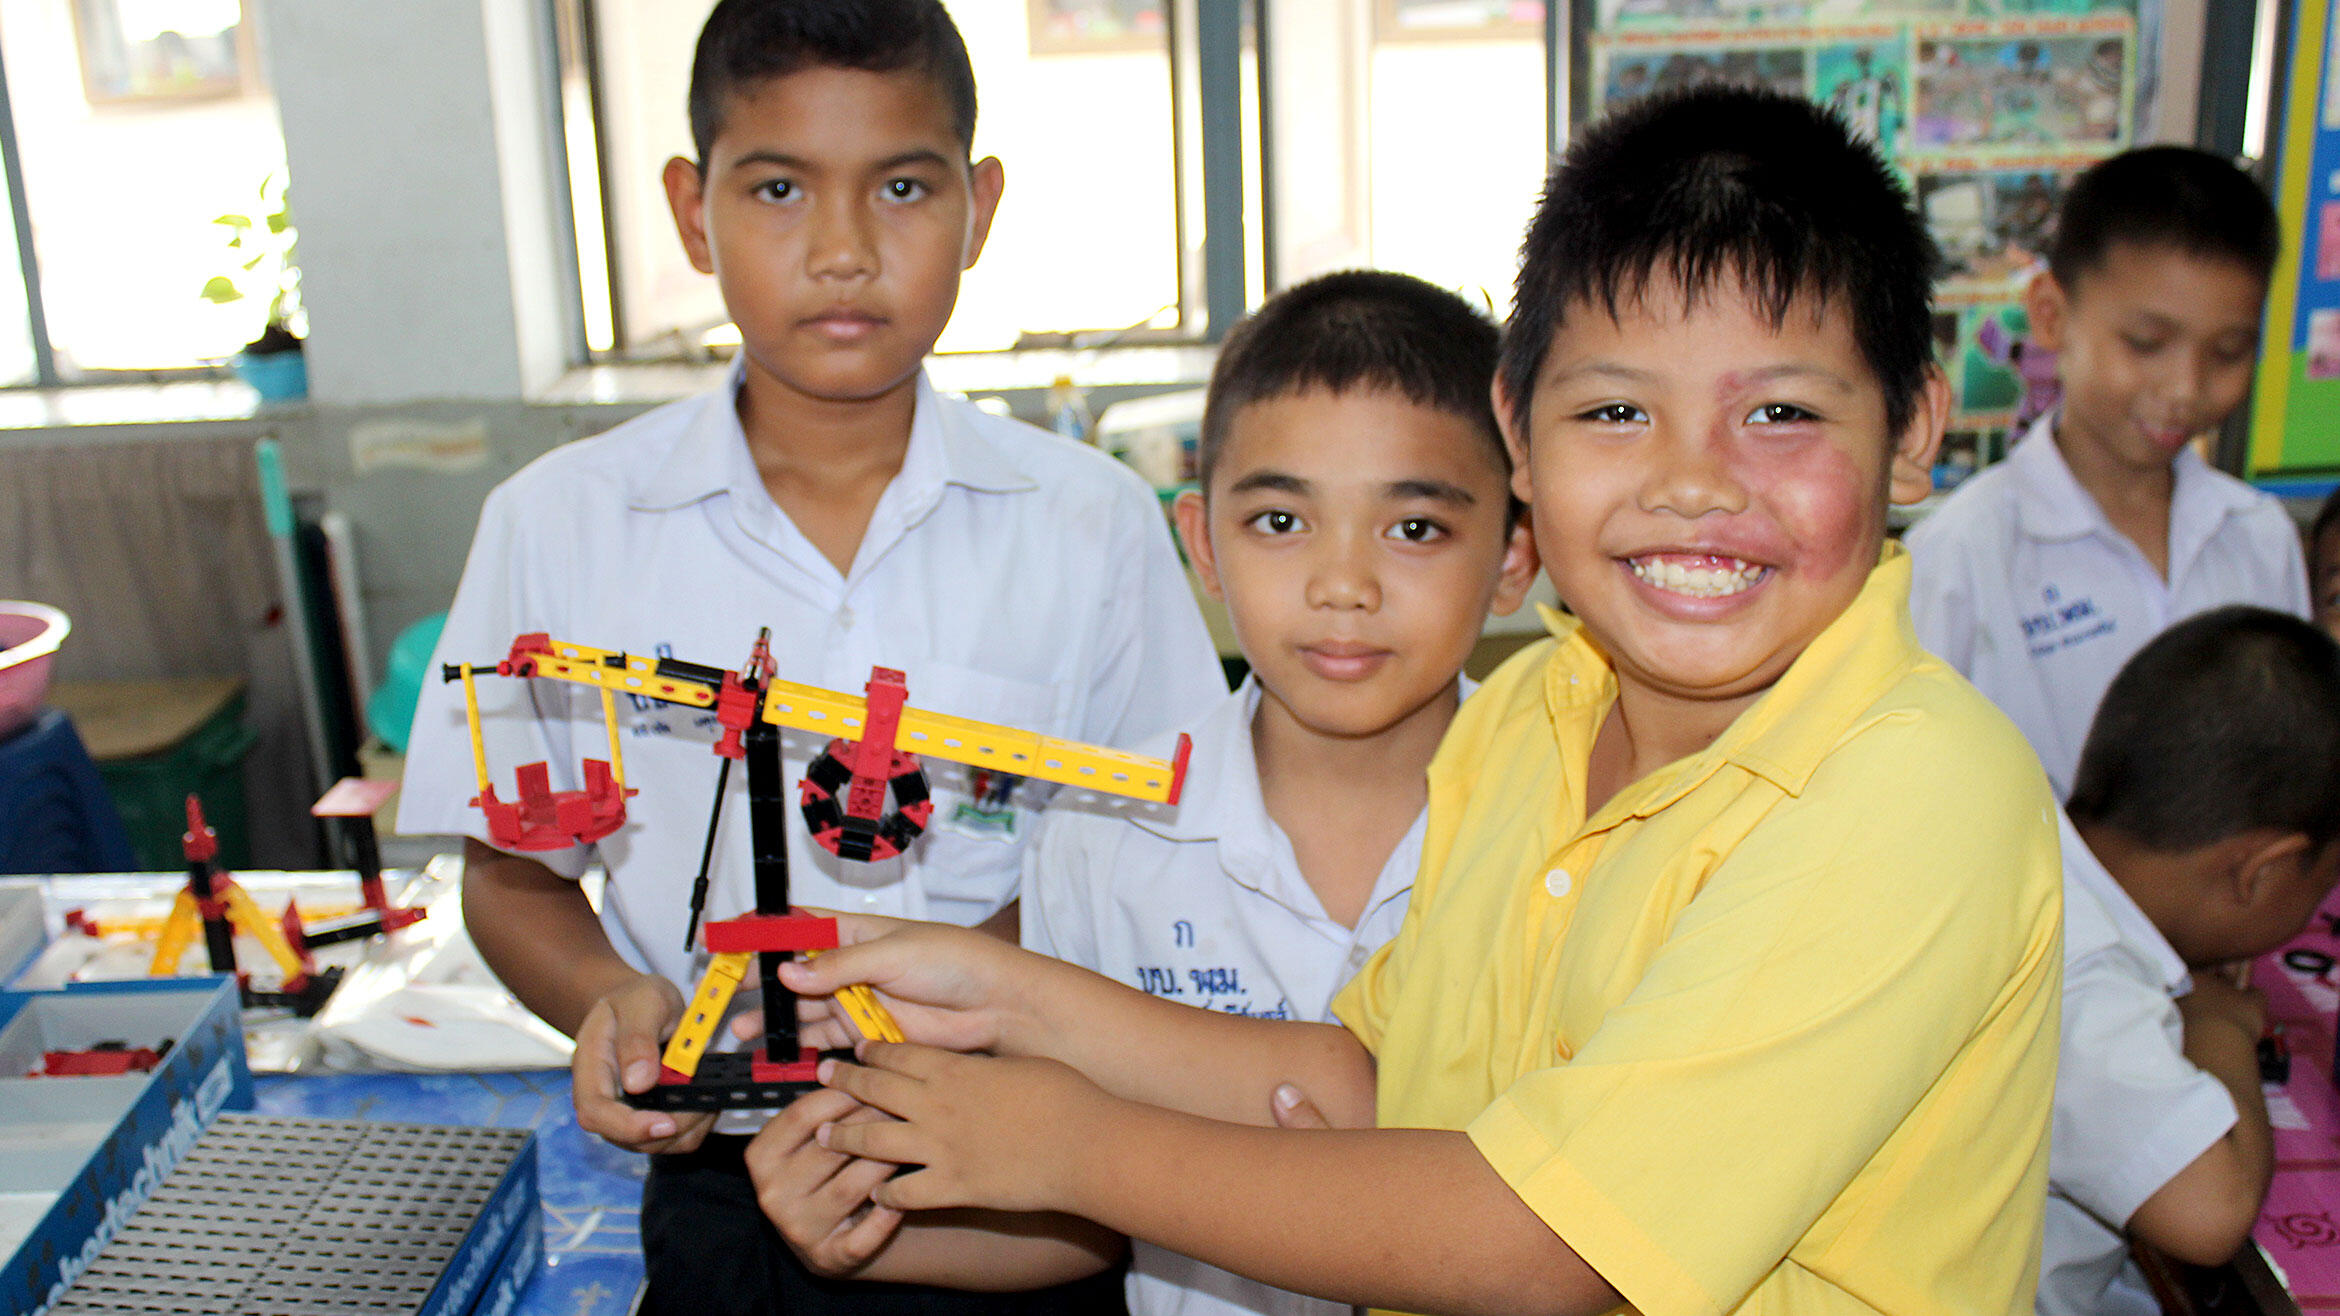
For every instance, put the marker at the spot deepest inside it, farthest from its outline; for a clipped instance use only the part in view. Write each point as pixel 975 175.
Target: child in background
pixel 2323 556
pixel 2201 835
pixel 1356 517
pixel 827 491
pixel 1730 976
pixel 2040 576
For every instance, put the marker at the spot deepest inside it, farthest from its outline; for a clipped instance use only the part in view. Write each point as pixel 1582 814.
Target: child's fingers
pixel 909 1059
pixel 860 1237
pixel 886 1140
pixel 922 1190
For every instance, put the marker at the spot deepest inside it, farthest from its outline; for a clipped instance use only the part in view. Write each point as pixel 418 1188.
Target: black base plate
pixel 306 1002
pixel 725 1081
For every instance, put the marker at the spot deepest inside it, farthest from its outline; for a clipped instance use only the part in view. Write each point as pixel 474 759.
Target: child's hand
pixel 946 986
pixel 618 1049
pixel 819 1199
pixel 987 1132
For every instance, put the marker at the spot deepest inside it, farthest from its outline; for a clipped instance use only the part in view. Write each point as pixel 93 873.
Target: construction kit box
pixel 80 1152
pixel 319 1217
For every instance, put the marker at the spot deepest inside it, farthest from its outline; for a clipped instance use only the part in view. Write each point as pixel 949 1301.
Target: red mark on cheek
pixel 1824 501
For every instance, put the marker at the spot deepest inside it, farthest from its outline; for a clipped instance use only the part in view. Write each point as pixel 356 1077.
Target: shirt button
pixel 870 898
pixel 844 619
pixel 1558 883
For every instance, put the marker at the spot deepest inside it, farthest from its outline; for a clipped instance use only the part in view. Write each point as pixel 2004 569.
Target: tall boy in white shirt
pixel 2040 576
pixel 1356 520
pixel 828 492
pixel 2201 833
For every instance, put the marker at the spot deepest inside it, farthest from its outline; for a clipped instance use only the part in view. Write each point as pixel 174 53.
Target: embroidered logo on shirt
pixel 2061 625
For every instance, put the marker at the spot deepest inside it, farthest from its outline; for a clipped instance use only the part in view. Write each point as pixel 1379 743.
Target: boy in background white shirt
pixel 2040 576
pixel 2201 835
pixel 1355 517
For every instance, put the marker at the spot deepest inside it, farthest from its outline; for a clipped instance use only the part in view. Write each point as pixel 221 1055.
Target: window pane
pixel 16 347
pixel 140 122
pixel 1075 100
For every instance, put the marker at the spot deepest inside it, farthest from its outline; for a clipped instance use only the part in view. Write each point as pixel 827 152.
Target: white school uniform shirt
pixel 1015 576
pixel 2023 584
pixel 1205 904
pixel 2131 1111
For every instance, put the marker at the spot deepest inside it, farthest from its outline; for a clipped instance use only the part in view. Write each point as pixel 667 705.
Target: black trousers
pixel 709 1251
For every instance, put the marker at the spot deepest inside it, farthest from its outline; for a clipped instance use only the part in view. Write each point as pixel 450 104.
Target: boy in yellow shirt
pixel 1730 980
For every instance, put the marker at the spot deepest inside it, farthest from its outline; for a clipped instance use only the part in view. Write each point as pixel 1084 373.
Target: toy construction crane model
pixel 843 799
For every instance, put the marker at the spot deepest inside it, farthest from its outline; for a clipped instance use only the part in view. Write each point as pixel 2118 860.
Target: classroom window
pixel 1354 151
pixel 138 123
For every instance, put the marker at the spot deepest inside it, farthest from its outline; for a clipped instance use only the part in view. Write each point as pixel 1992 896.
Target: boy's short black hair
pixel 2226 722
pixel 2327 516
pixel 746 42
pixel 2171 196
pixel 1724 184
pixel 1352 330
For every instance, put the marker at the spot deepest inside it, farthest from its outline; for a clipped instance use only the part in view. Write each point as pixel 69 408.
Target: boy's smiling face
pixel 836 211
pixel 1359 540
pixel 2154 345
pixel 1709 488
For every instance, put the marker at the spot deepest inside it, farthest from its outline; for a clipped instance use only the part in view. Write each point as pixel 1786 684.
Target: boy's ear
pixel 1194 531
pixel 1515 443
pixel 986 181
pixel 1910 475
pixel 2048 305
pixel 2265 859
pixel 686 195
pixel 1519 568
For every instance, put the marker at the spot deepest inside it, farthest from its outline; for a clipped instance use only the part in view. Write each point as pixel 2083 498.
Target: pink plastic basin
pixel 29 636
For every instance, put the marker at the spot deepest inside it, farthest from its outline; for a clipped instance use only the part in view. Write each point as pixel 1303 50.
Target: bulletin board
pixel 2295 426
pixel 1987 107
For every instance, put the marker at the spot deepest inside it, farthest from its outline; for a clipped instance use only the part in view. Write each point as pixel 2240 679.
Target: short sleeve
pixel 1859 971
pixel 492 605
pixel 1155 668
pixel 2131 1110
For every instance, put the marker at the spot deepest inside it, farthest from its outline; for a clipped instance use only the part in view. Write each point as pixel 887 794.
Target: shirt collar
pixel 2051 504
pixel 1222 798
pixel 1783 736
pixel 711 455
pixel 2128 921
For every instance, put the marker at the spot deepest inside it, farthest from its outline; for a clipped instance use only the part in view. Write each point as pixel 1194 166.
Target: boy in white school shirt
pixel 2039 577
pixel 828 492
pixel 1356 519
pixel 2201 834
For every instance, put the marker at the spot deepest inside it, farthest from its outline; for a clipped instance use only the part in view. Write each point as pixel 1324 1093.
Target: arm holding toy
pixel 2205 1214
pixel 952 988
pixel 540 936
pixel 819 1200
pixel 1408 1218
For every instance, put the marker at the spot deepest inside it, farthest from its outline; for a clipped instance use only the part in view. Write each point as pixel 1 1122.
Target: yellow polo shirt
pixel 1775 1030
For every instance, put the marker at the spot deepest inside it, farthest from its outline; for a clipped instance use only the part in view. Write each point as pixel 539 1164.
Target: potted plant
pixel 262 246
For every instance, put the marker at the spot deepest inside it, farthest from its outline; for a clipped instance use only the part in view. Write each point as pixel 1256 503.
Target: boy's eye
pixel 1779 413
pixel 905 189
pixel 1614 413
pixel 777 189
pixel 2141 346
pixel 1275 521
pixel 1417 530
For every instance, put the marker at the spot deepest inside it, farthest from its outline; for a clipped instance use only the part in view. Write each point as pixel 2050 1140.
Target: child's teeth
pixel 1697 581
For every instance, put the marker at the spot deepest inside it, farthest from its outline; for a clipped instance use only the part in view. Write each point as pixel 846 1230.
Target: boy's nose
pixel 842 245
pixel 1343 577
pixel 1690 475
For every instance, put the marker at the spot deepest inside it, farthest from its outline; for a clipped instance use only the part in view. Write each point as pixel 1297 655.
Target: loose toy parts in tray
pixel 843 800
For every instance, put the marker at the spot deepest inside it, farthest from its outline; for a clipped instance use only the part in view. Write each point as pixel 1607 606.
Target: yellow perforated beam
pixel 932 735
pixel 631 675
